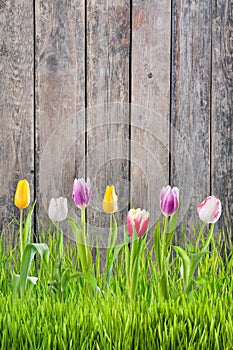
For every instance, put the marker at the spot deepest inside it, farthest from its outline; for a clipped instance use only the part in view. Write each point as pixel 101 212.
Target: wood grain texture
pixel 108 39
pixel 16 103
pixel 60 95
pixel 150 103
pixel 191 104
pixel 222 113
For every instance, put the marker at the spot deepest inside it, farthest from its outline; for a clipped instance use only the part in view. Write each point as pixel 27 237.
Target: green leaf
pixel 89 258
pixel 195 259
pixel 30 250
pixel 85 255
pixel 31 282
pixel 127 256
pixel 157 245
pixel 168 241
pixel 186 263
pixel 76 229
pixel 200 234
pixel 134 277
pixel 16 284
pixel 163 285
pixel 112 259
pixel 88 277
pixel 65 277
pixel 201 280
pixel 27 227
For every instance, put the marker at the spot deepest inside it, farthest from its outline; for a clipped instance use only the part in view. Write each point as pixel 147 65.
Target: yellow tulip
pixel 110 200
pixel 22 194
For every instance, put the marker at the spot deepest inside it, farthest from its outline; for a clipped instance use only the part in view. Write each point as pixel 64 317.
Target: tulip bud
pixel 110 200
pixel 82 192
pixel 138 219
pixel 22 194
pixel 58 209
pixel 169 200
pixel 210 210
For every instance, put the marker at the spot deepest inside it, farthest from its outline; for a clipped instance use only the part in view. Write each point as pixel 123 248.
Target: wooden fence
pixel 135 93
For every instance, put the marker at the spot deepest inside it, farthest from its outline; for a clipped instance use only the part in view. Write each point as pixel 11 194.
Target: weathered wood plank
pixel 222 113
pixel 191 104
pixel 151 91
pixel 60 91
pixel 108 38
pixel 16 103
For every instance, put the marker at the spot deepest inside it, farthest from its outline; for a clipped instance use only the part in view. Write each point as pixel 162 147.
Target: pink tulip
pixel 138 219
pixel 210 210
pixel 169 200
pixel 82 192
pixel 58 209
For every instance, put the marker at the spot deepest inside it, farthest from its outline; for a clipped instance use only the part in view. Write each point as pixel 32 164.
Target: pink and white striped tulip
pixel 169 200
pixel 210 210
pixel 138 219
pixel 58 209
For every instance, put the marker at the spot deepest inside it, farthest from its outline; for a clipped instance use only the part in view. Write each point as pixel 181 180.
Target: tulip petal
pixel 210 210
pixel 82 192
pixel 110 200
pixel 22 194
pixel 138 219
pixel 58 209
pixel 169 200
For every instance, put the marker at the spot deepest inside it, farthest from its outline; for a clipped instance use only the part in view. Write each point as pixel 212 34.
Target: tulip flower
pixel 209 210
pixel 110 207
pixel 110 200
pixel 82 192
pixel 138 219
pixel 22 200
pixel 58 209
pixel 137 223
pixel 169 200
pixel 22 194
pixel 169 204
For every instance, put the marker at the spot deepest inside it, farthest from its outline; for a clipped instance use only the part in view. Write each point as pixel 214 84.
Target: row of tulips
pixel 137 223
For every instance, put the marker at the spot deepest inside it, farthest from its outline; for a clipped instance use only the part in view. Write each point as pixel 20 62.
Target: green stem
pixel 132 254
pixel 134 264
pixel 211 230
pixel 110 227
pixel 109 248
pixel 84 243
pixel 163 284
pixel 21 234
pixel 59 235
pixel 109 237
pixel 164 241
pixel 83 221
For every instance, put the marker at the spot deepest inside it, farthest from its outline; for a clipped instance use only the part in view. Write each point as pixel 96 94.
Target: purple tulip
pixel 169 200
pixel 82 192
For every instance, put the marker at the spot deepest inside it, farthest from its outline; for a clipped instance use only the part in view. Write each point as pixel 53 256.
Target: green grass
pixel 109 320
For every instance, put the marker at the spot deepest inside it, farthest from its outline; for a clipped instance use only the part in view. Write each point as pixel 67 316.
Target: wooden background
pixel 168 65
